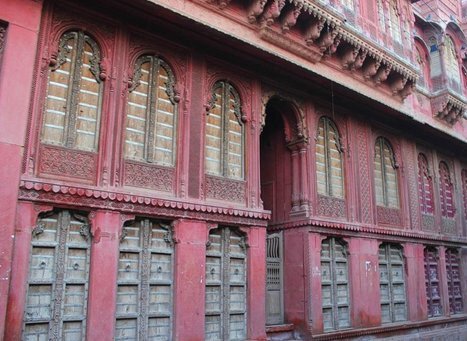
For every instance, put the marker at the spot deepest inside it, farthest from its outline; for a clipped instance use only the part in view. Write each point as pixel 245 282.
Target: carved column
pixel 364 277
pixel 304 188
pixel 26 217
pixel 256 295
pixel 295 179
pixel 415 282
pixel 189 295
pixel 106 229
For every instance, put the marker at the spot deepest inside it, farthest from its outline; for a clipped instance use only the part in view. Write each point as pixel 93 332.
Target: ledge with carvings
pixel 82 196
pixel 327 226
pixel 323 34
pixel 448 106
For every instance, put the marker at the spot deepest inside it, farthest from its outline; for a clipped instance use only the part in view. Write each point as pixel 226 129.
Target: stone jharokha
pixel 233 170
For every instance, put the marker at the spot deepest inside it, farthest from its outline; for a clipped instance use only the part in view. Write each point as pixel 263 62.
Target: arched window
pixel 74 94
pixel 464 191
pixel 329 173
pixel 395 24
pixel 446 191
pixel 435 57
pixel 425 185
pixel 335 284
pixel 392 283
pixel 150 133
pixel 224 133
pixel 386 187
pixel 452 63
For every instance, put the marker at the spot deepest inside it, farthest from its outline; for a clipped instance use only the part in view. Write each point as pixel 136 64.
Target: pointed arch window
pixel 446 191
pixel 74 94
pixel 224 150
pixel 425 185
pixel 392 283
pixel 386 183
pixel 452 63
pixel 329 167
pixel 150 132
pixel 395 24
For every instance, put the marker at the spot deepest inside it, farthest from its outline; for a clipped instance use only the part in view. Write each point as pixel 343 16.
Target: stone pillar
pixel 364 282
pixel 256 285
pixel 26 218
pixel 189 294
pixel 415 282
pixel 16 80
pixel 106 230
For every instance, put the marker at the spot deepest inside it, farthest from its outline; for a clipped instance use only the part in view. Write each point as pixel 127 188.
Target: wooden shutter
pixel 144 283
pixel 446 191
pixel 274 275
pixel 58 279
pixel 151 113
pixel 454 281
pixel 425 186
pixel 392 284
pixel 433 293
pixel 74 94
pixel 334 285
pixel 224 151
pixel 225 286
pixel 386 186
pixel 329 173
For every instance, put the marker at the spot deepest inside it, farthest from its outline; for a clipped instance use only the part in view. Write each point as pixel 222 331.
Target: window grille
pixel 386 185
pixel 57 293
pixel 454 281
pixel 392 284
pixel 74 94
pixel 151 113
pixel 425 185
pixel 446 191
pixel 433 292
pixel 452 63
pixel 224 133
pixel 435 58
pixel 145 282
pixel 225 286
pixel 335 285
pixel 329 171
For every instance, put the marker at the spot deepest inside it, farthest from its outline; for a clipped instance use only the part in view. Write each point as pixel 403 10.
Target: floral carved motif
pixel 448 226
pixel 428 222
pixel 331 207
pixel 64 162
pixel 364 175
pixel 389 216
pixel 223 189
pixel 138 175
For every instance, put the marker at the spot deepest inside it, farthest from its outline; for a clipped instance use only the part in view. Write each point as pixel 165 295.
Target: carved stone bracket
pixel 448 107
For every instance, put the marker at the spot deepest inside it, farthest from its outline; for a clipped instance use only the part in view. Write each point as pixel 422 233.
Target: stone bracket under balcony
pixel 448 107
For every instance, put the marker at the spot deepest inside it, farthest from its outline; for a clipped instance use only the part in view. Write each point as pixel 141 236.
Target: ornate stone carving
pixel 225 189
pixel 448 226
pixel 290 18
pixel 66 162
pixel 145 176
pixel 428 223
pixel 314 30
pixel 255 10
pixel 389 216
pixel 448 107
pixel 364 176
pixel 272 12
pixel 331 207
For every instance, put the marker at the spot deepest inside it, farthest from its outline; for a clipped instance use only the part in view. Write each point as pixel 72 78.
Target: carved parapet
pixel 448 107
pixel 255 10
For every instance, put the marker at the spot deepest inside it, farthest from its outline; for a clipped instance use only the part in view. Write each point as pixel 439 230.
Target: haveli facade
pixel 233 170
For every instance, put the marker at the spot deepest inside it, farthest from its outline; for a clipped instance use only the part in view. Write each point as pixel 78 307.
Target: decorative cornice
pixel 89 197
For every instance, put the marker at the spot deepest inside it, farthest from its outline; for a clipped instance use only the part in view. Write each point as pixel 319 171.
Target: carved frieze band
pixel 448 226
pixel 331 207
pixel 225 189
pixel 389 216
pixel 152 177
pixel 65 162
pixel 428 222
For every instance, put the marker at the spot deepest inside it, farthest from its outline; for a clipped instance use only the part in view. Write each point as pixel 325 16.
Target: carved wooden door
pixel 335 285
pixel 58 279
pixel 144 282
pixel 454 281
pixel 274 284
pixel 225 286
pixel 433 292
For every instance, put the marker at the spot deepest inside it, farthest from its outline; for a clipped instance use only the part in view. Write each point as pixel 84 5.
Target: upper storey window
pixel 151 113
pixel 329 171
pixel 446 191
pixel 395 24
pixel 425 185
pixel 452 63
pixel 386 187
pixel 381 15
pixel 224 133
pixel 435 57
pixel 74 94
